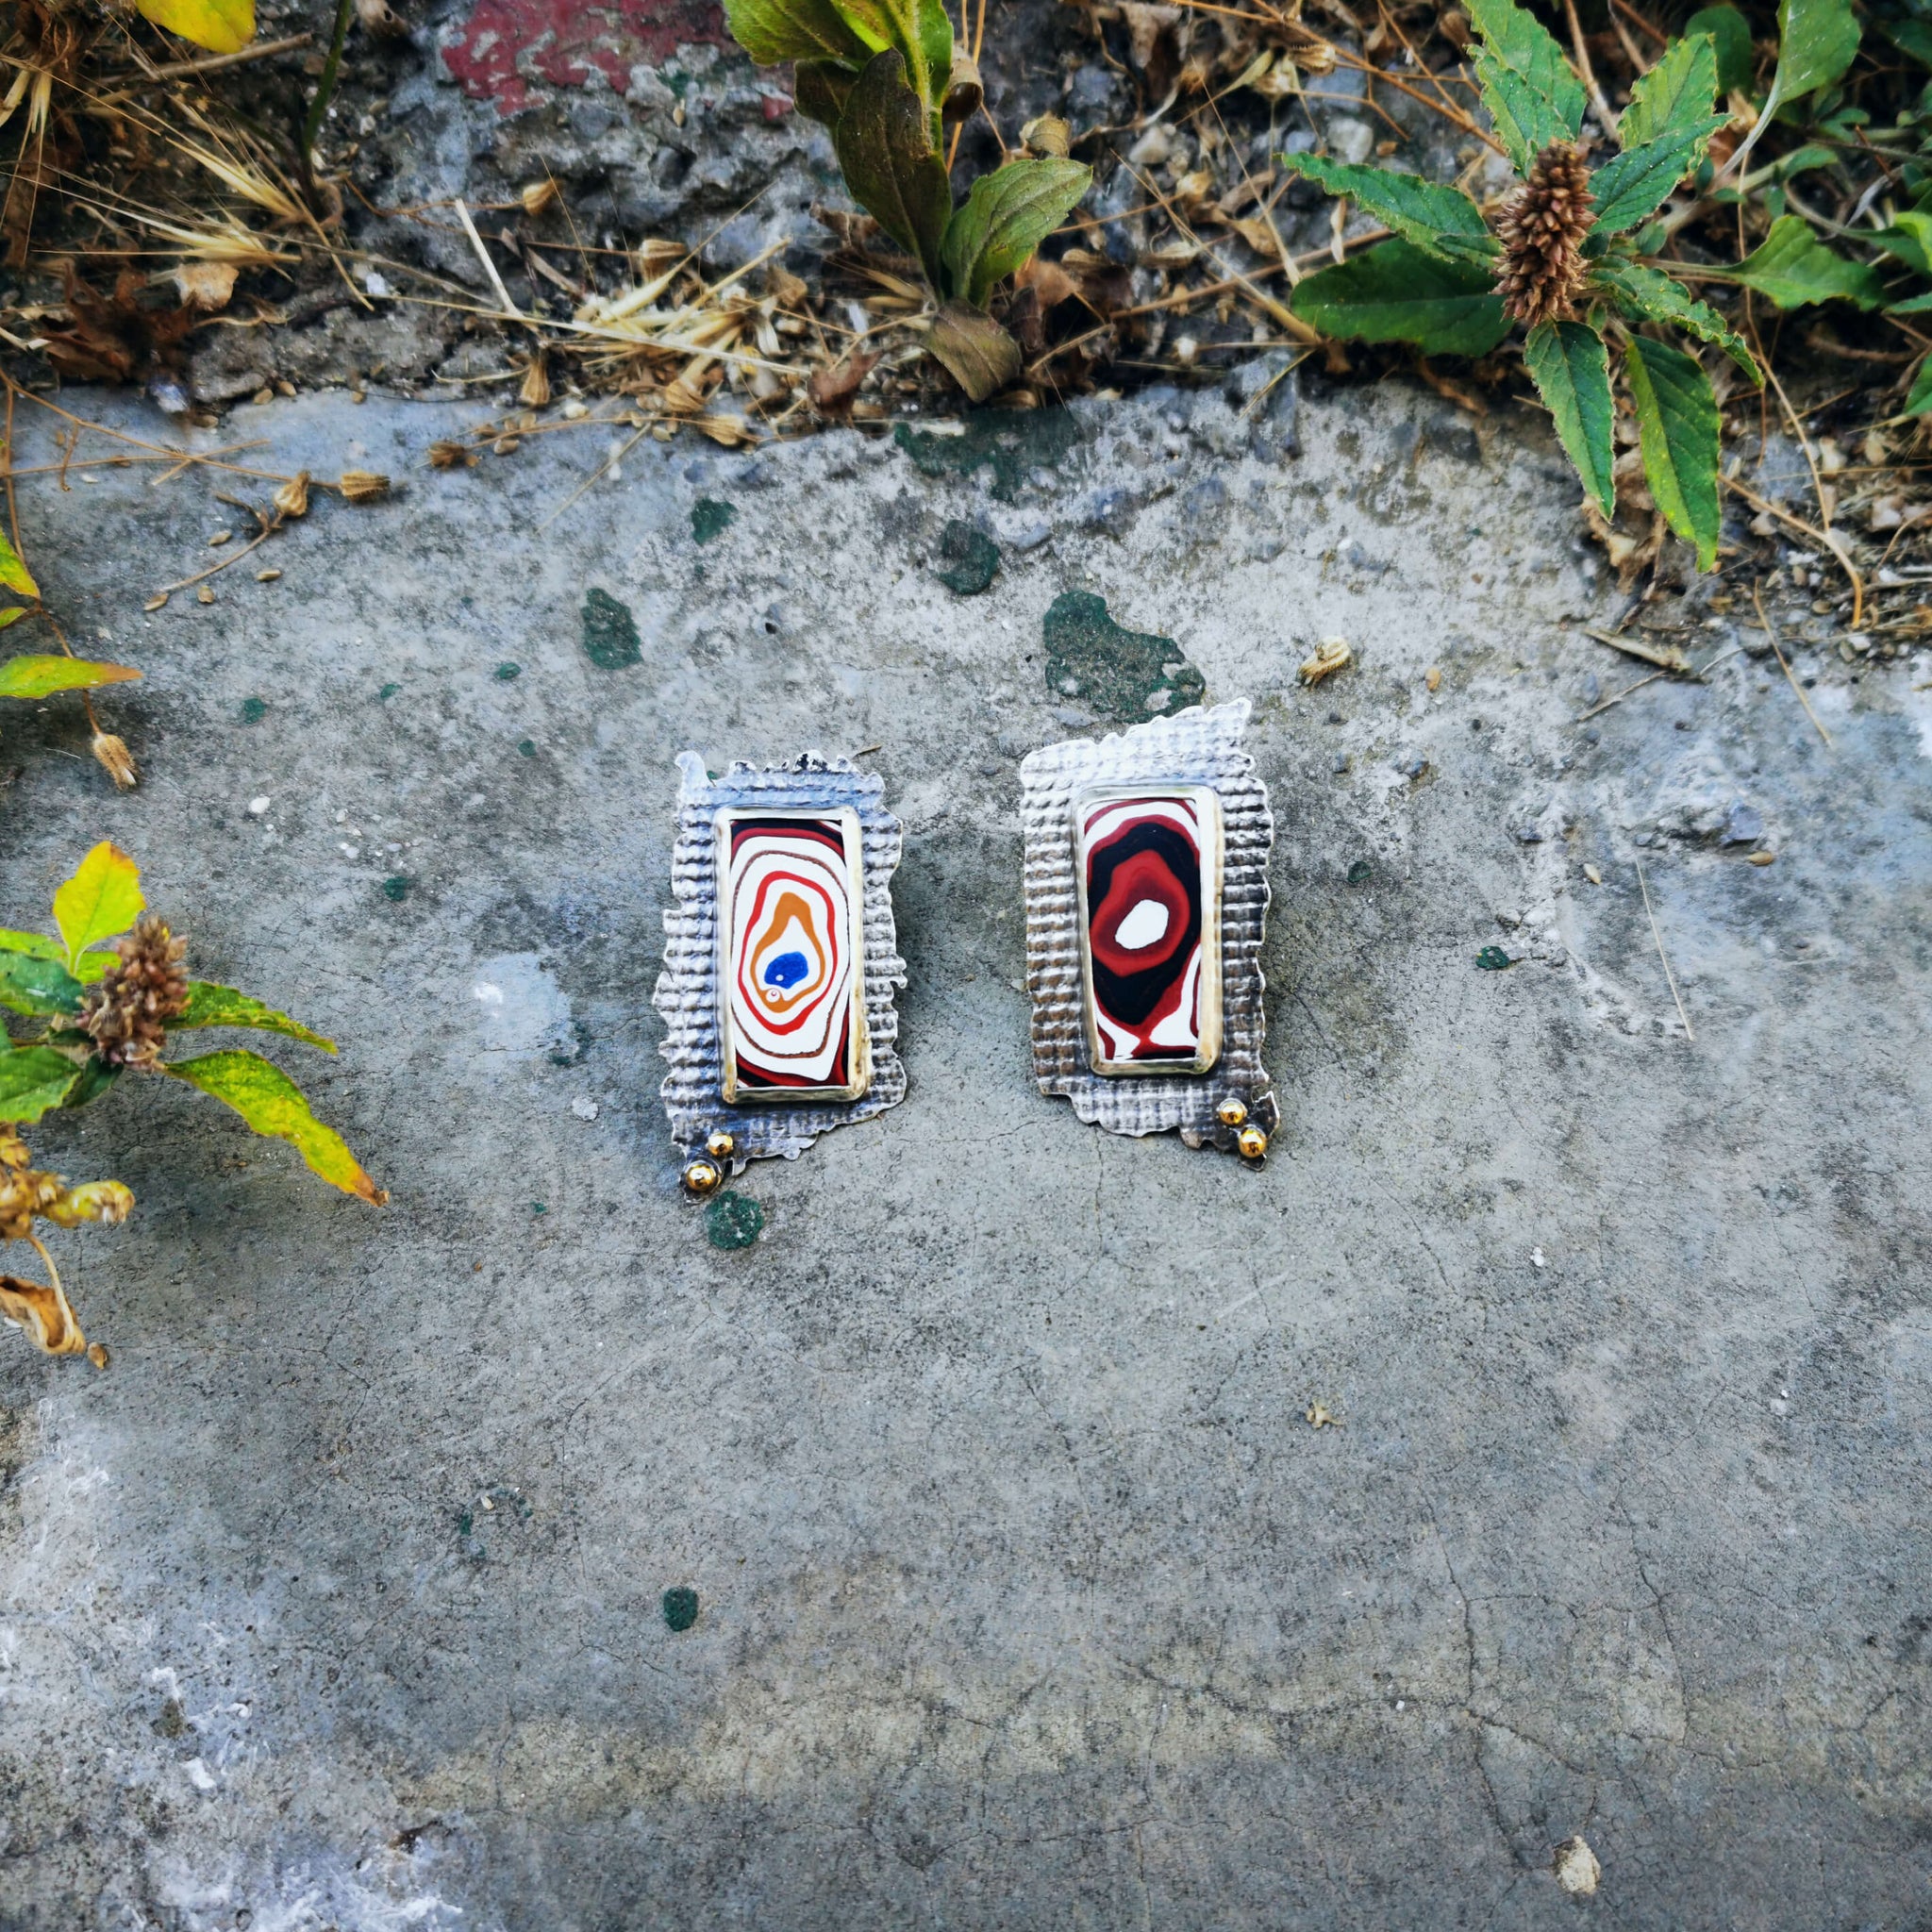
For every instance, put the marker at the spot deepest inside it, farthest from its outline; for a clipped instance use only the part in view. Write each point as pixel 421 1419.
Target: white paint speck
pixel 1538 1259
pixel 199 1775
pixel 256 807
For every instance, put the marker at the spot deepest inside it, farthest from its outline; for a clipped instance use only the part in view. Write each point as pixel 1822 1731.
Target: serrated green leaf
pixel 1571 368
pixel 1634 184
pixel 1397 292
pixel 32 1079
pixel 1731 34
pixel 1678 431
pixel 13 572
pixel 1647 295
pixel 887 147
pixel 1005 217
pixel 209 1005
pixel 40 986
pixel 1910 238
pixel 103 898
pixel 271 1104
pixel 1675 96
pixel 1817 41
pixel 774 30
pixel 1792 267
pixel 921 30
pixel 1527 83
pixel 1423 212
pixel 39 676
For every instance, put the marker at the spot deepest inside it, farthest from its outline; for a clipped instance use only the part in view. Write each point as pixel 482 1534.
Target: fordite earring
pixel 780 961
pixel 1146 896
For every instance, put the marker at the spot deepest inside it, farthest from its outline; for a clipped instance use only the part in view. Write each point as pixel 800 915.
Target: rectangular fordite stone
pixel 792 956
pixel 1148 870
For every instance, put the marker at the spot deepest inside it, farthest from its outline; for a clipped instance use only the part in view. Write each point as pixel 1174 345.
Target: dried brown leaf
pixel 832 390
pixel 204 284
pixel 116 759
pixel 291 499
pixel 43 1312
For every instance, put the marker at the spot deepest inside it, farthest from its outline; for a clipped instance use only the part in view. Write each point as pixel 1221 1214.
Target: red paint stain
pixel 565 40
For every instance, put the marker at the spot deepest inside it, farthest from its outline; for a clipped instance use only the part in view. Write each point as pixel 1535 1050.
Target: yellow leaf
pixel 222 26
pixel 272 1103
pixel 43 1312
pixel 102 898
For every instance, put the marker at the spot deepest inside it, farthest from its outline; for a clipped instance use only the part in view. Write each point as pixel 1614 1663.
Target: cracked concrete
pixel 1027 1594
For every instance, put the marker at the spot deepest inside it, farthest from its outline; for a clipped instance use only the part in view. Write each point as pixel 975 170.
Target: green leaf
pixel 1677 430
pixel 1637 182
pixel 1794 267
pixel 32 1079
pixel 15 573
pixel 1005 217
pixel 1395 292
pixel 1918 304
pixel 1910 238
pixel 820 90
pixel 888 149
pixel 36 943
pixel 982 357
pixel 1913 38
pixel 30 985
pixel 209 1005
pixel 102 898
pixel 39 676
pixel 918 30
pixel 96 1076
pixel 1816 40
pixel 271 1104
pixel 1920 400
pixel 1572 372
pixel 1417 210
pixel 1527 83
pixel 1647 295
pixel 1731 32
pixel 1674 95
pixel 774 30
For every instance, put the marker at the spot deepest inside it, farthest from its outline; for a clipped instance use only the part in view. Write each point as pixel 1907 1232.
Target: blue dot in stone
pixel 788 969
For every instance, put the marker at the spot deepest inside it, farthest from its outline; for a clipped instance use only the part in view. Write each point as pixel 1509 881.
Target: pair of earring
pixel 1146 882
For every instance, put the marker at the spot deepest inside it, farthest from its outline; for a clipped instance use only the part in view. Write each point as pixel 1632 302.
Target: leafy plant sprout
pixel 105 1010
pixel 884 76
pixel 1565 259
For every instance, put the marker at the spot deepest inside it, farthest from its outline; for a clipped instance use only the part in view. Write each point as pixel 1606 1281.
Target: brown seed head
pixel 1541 230
pixel 118 761
pixel 123 1014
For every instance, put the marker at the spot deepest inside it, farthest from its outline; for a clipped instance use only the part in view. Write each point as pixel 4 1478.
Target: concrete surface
pixel 1028 1596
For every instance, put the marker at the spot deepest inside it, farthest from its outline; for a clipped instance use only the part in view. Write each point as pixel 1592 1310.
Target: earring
pixel 1146 897
pixel 780 961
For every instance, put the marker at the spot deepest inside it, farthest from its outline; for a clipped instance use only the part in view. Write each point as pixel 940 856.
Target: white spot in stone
pixel 1145 925
pixel 520 1007
pixel 1576 1867
pixel 1536 1258
pixel 584 1108
pixel 199 1775
pixel 256 807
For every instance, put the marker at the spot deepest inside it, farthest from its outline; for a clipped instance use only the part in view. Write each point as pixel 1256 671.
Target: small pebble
pixel 204 595
pixel 156 602
pixel 585 1109
pixel 256 807
pixel 266 576
pixel 1433 678
pixel 219 538
pixel 1763 858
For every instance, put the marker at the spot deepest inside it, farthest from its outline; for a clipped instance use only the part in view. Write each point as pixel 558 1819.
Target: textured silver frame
pixel 1194 747
pixel 687 988
pixel 1207 802
pixel 860 1063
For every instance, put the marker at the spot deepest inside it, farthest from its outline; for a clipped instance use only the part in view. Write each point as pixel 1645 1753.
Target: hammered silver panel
pixel 1193 747
pixel 686 991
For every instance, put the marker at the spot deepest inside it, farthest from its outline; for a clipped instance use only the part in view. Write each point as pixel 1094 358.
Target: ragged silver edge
pixel 1193 747
pixel 686 991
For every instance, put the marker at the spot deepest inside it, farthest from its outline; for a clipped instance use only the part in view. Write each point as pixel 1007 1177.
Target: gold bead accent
pixel 1252 1143
pixel 721 1145
pixel 1233 1112
pixel 701 1178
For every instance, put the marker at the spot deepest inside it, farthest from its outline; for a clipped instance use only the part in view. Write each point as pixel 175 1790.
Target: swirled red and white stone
pixel 791 956
pixel 1148 866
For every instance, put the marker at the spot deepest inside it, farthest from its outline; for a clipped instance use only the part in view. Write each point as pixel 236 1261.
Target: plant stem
pixel 324 92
